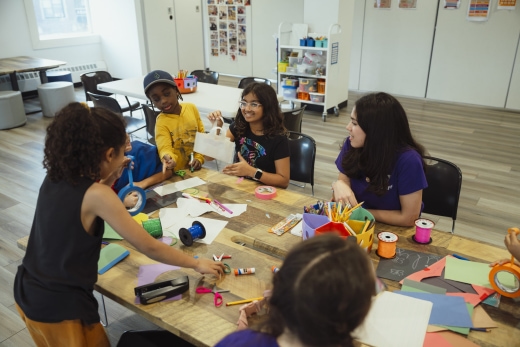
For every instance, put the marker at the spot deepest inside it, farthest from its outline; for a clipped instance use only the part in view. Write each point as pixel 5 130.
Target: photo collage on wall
pixel 228 27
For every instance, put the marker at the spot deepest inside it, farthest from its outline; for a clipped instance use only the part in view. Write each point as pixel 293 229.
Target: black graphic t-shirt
pixel 261 151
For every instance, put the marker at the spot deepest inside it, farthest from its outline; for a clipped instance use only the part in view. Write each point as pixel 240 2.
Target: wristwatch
pixel 258 174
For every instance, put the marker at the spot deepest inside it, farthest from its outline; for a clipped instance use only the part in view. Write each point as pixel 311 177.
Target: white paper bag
pixel 216 146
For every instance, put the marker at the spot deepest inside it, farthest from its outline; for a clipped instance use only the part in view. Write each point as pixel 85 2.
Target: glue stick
pixel 245 271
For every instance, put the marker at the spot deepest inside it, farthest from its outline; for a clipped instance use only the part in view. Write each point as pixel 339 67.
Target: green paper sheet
pixel 419 287
pixel 470 272
pixel 111 234
pixel 109 256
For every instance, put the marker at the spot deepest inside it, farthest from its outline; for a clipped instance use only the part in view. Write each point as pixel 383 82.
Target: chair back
pixel 206 76
pixel 303 157
pixel 292 120
pixel 104 101
pixel 441 197
pixel 90 80
pixel 150 116
pixel 248 80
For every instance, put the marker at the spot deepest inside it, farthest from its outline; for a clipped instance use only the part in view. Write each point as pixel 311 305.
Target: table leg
pixel 14 81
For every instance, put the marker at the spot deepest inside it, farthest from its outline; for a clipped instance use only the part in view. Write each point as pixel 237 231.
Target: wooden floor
pixel 484 142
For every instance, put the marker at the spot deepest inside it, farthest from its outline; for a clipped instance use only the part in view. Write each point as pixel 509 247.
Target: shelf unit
pixel 333 95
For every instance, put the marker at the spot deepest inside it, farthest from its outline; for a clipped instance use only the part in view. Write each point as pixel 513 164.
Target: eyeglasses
pixel 243 104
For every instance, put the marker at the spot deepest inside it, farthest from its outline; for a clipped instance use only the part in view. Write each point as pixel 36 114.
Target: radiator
pixel 28 81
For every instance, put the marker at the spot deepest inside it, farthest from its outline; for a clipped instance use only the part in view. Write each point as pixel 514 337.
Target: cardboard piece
pixel 481 319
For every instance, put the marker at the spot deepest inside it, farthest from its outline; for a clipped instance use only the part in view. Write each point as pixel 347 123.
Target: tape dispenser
pixel 505 278
pixel 154 292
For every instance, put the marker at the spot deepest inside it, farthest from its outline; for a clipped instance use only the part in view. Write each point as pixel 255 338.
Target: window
pixel 54 23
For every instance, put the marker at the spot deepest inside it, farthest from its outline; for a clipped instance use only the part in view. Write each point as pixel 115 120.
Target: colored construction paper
pixel 421 287
pixel 394 321
pixel 436 340
pixel 404 263
pixel 481 319
pixel 460 330
pixel 110 255
pixel 472 272
pixel 436 270
pixel 148 273
pixel 447 310
pixel 456 339
pixel 110 233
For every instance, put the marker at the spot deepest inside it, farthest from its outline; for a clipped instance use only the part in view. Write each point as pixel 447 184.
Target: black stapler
pixel 153 292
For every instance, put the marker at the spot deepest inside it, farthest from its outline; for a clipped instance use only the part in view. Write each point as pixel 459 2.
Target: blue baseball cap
pixel 157 76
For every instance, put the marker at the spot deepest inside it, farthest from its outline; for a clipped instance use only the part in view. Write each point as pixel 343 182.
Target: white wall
pixel 472 62
pixel 396 48
pixel 116 21
pixel 15 39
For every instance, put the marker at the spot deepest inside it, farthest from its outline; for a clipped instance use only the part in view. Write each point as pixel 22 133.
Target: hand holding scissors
pixel 218 298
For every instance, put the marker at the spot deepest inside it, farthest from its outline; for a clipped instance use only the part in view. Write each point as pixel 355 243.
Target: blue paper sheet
pixel 447 310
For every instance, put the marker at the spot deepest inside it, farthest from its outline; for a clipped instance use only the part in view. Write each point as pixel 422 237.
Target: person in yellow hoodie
pixel 176 125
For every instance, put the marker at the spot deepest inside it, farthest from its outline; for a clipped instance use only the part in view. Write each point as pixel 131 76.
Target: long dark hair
pixel 272 115
pixel 322 292
pixel 77 139
pixel 385 124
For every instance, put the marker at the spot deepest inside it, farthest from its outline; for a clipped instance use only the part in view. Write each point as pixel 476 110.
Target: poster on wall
pixel 451 5
pixel 506 4
pixel 478 10
pixel 382 3
pixel 407 3
pixel 227 27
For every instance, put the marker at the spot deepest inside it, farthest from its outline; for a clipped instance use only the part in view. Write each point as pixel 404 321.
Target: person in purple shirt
pixel 314 301
pixel 380 163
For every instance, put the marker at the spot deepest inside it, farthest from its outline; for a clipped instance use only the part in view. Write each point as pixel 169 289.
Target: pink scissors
pixel 218 298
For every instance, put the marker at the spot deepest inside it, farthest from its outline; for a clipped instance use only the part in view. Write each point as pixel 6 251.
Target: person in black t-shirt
pixel 262 147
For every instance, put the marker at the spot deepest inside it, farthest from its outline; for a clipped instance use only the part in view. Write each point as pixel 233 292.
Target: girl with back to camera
pixel 322 292
pixel 260 137
pixel 380 163
pixel 53 288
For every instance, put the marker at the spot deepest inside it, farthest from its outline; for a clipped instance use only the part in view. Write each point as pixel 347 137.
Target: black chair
pixel 442 195
pixel 303 157
pixel 150 116
pixel 132 124
pixel 90 80
pixel 248 80
pixel 206 76
pixel 151 338
pixel 292 120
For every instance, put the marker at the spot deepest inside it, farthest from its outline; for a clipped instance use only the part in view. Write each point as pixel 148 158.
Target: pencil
pixel 245 301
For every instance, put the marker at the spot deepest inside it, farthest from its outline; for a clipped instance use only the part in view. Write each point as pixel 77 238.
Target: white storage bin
pixel 317 97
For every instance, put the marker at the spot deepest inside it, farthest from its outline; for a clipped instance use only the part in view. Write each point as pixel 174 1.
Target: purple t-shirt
pixel 406 177
pixel 248 338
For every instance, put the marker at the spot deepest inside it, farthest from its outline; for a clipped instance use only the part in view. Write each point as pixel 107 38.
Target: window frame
pixel 37 43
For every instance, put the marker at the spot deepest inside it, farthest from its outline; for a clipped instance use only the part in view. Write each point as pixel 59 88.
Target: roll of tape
pixel 501 280
pixel 265 192
pixel 505 278
pixel 141 202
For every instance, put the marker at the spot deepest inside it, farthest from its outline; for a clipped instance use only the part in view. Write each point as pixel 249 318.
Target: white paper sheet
pixel 172 219
pixel 195 208
pixel 394 322
pixel 178 186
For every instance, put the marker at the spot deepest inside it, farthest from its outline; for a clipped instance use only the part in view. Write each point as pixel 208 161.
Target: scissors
pixel 218 298
pixel 227 268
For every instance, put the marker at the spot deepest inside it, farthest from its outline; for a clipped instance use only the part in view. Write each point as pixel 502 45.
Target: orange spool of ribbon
pixel 505 278
pixel 387 244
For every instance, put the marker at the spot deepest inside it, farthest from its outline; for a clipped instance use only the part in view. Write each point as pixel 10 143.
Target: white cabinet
pixel 335 92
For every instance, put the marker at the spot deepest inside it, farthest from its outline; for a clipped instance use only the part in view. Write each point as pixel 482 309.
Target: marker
pixel 191 162
pixel 244 301
pixel 480 329
pixel 224 207
pixel 459 257
pixel 208 200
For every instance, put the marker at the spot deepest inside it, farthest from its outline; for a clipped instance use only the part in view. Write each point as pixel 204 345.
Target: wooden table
pixel 194 317
pixel 14 65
